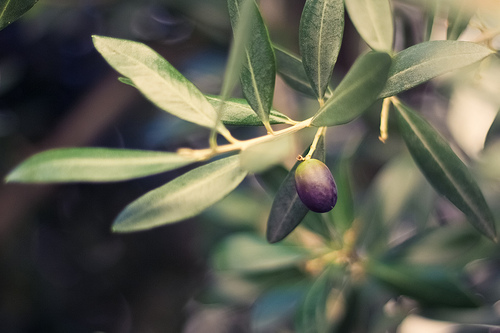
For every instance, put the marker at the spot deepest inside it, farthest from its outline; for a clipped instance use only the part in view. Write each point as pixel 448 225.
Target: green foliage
pixel 374 22
pixel 321 30
pixel 11 10
pixel 94 165
pixel 158 80
pixel 424 61
pixel 356 92
pixel 381 241
pixel 259 65
pixel 444 170
pixel 183 197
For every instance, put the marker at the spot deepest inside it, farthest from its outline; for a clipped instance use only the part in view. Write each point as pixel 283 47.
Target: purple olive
pixel 315 186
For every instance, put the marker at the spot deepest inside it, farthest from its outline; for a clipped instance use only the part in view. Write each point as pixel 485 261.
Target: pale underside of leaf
pixel 237 112
pixel 158 80
pixel 183 197
pixel 373 20
pixel 94 165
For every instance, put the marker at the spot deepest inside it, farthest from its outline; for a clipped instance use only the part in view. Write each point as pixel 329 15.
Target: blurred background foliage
pixel 64 271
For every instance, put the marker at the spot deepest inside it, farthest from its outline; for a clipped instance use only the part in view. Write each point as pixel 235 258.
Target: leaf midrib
pixel 345 92
pixel 441 165
pixel 320 43
pixel 432 59
pixel 200 181
pixel 4 8
pixel 163 79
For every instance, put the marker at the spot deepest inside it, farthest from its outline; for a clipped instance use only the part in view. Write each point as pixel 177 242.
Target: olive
pixel 315 186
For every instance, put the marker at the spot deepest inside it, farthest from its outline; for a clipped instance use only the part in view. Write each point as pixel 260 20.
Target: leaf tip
pixel 272 237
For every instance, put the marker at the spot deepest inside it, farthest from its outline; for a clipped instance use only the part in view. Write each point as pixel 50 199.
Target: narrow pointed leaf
pixel 249 254
pixel 158 80
pixel 287 210
pixel 237 112
pixel 357 91
pixel 320 38
pixel 94 165
pixel 431 285
pixel 444 170
pixel 184 197
pixel 259 65
pixel 343 214
pixel 424 61
pixel 373 21
pixel 11 10
pixel 291 69
pixel 459 15
pixel 313 316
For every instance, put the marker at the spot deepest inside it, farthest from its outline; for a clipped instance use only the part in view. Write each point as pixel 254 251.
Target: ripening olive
pixel 315 186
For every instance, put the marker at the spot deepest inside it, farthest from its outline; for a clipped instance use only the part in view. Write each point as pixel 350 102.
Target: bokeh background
pixel 62 270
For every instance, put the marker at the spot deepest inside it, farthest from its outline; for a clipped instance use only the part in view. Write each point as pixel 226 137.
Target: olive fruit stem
pixel 384 120
pixel 319 133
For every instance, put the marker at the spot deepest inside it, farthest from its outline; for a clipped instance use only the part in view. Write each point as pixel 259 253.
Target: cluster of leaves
pixel 254 59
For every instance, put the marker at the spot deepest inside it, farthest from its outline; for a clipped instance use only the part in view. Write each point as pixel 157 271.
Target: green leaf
pixel 11 10
pixel 259 66
pixel 444 170
pixel 260 157
pixel 343 214
pixel 94 165
pixel 313 315
pixel 424 61
pixel 249 254
pixel 320 38
pixel 357 91
pixel 237 112
pixel 430 285
pixel 291 69
pixel 287 210
pixel 184 197
pixel 373 21
pixel 459 14
pixel 158 80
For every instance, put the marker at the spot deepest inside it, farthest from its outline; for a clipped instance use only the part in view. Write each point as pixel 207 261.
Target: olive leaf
pixel 287 210
pixel 343 214
pixel 430 285
pixel 258 73
pixel 11 10
pixel 158 80
pixel 237 112
pixel 373 21
pixel 312 316
pixel 424 61
pixel 249 254
pixel 459 14
pixel 291 69
pixel 356 92
pixel 94 165
pixel 320 37
pixel 444 170
pixel 184 197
